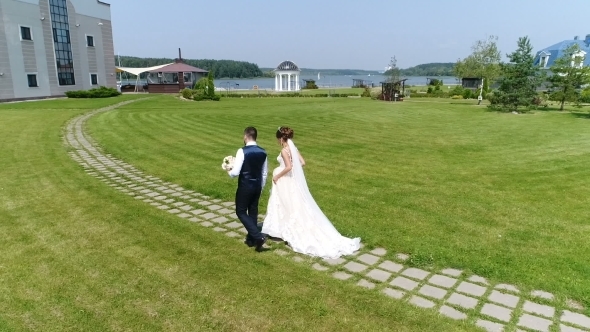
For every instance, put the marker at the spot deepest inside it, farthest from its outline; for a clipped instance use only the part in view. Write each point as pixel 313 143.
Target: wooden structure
pixel 473 83
pixel 174 77
pixel 393 91
pixel 358 83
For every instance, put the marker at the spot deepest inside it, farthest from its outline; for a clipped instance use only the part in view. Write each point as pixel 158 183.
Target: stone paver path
pixel 450 292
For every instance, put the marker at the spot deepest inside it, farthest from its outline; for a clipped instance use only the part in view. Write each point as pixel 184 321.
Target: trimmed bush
pixel 366 93
pixel 187 93
pixel 467 94
pixel 101 92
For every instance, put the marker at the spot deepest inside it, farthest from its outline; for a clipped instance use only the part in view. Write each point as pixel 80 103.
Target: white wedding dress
pixel 294 216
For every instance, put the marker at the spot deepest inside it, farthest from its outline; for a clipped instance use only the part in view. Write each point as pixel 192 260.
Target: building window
pixel 32 79
pixel 544 60
pixel 93 79
pixel 90 41
pixel 578 59
pixel 25 33
pixel 61 41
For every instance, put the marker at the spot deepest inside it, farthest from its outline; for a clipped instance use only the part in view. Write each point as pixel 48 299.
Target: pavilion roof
pixel 178 67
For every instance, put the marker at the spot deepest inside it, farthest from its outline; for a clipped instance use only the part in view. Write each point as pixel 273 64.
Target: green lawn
pixel 77 255
pixel 501 195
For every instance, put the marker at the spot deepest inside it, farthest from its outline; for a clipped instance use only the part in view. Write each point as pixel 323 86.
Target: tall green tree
pixel 520 79
pixel 393 74
pixel 483 62
pixel 568 75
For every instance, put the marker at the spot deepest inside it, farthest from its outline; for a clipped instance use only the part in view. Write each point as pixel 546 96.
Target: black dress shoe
pixel 260 243
pixel 250 243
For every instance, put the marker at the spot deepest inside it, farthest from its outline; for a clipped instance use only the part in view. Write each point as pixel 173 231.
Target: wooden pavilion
pixel 359 83
pixel 174 77
pixel 393 91
pixel 473 83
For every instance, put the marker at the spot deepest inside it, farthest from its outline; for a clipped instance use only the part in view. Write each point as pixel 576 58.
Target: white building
pixel 48 47
pixel 287 77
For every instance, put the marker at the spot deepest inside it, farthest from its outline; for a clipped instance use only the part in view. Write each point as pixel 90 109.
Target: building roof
pixel 137 71
pixel 287 65
pixel 556 51
pixel 178 67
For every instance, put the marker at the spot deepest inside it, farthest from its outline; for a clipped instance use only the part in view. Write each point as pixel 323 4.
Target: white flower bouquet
pixel 228 163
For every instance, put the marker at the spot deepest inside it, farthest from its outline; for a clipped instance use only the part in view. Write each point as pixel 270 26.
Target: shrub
pixel 310 85
pixel 366 93
pixel 101 92
pixel 585 95
pixel 187 93
pixel 467 94
pixel 205 89
pixel 457 97
pixel 435 82
pixel 429 90
pixel 198 95
pixel 439 94
pixel 457 91
pixel 491 97
pixel 541 100
pixel 201 84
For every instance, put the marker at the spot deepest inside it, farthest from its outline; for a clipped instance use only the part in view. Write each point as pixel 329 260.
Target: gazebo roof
pixel 178 67
pixel 288 65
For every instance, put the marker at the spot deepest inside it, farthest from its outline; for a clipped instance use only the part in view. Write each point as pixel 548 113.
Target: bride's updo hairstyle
pixel 285 133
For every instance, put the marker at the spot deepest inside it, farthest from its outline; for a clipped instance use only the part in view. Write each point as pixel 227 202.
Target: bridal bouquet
pixel 228 163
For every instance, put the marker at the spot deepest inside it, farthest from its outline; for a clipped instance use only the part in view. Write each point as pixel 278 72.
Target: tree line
pixel 430 69
pixel 220 68
pixel 426 69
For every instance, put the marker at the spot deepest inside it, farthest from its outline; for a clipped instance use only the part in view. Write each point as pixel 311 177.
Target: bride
pixel 293 215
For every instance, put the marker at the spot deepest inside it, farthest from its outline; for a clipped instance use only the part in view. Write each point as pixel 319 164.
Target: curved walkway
pixel 451 292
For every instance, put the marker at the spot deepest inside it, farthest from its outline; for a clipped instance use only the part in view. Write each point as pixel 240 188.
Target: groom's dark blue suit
pixel 250 183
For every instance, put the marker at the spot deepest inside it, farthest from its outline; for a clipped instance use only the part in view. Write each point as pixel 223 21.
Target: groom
pixel 250 165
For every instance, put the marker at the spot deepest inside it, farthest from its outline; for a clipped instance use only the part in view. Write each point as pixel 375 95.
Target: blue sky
pixel 338 34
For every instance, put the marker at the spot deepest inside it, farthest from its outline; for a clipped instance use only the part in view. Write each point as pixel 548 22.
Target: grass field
pixel 80 256
pixel 501 195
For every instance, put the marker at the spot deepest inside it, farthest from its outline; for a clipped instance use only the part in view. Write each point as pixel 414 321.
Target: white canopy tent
pixel 138 71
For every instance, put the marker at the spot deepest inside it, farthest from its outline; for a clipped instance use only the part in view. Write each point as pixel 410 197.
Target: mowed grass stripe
pixel 78 255
pixel 453 184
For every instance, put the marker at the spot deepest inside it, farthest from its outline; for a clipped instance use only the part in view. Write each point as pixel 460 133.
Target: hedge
pixel 102 92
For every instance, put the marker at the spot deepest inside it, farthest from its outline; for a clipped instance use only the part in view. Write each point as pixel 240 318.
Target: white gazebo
pixel 287 76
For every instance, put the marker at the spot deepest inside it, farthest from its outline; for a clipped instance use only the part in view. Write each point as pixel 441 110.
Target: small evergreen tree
pixel 568 75
pixel 210 86
pixel 520 79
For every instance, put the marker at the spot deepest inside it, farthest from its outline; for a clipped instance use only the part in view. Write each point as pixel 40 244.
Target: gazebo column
pixel 276 82
pixel 280 82
pixel 297 82
pixel 289 82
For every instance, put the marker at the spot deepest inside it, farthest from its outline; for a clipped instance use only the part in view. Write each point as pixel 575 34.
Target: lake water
pixel 328 81
pixel 336 81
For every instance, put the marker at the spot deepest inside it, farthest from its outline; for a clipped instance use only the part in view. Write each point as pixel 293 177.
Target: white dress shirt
pixel 239 161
